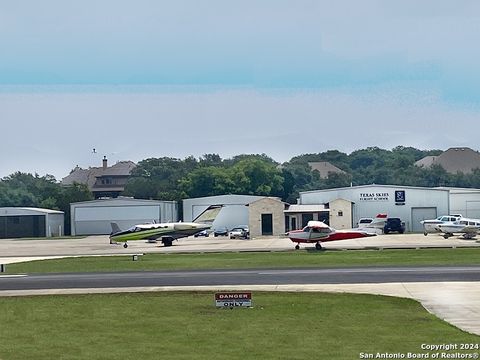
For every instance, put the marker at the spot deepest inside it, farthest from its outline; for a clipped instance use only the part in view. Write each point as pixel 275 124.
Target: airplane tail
pixel 209 215
pixel 115 228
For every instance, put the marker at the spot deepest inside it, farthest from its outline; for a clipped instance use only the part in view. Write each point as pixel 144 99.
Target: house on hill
pixel 102 181
pixel 324 168
pixel 458 159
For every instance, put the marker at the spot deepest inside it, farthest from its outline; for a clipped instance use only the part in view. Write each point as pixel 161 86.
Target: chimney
pixel 104 163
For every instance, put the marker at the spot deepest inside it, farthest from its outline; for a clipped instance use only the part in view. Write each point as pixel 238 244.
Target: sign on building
pixel 233 299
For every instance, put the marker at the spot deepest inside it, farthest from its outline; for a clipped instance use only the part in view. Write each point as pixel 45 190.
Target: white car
pixel 239 232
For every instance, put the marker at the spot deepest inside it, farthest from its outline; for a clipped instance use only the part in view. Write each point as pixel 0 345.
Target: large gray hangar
pixel 95 217
pixel 411 204
pixel 263 215
pixel 17 222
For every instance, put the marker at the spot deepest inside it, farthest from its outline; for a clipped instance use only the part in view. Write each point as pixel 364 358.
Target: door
pixel 419 214
pixel 267 224
pixel 294 223
pixel 306 218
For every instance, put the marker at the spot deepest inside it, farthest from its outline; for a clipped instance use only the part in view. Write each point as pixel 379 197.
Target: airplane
pixel 431 226
pixel 168 232
pixel 318 232
pixel 467 227
pixel 376 226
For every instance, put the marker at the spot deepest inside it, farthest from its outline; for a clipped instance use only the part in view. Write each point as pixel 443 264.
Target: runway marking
pixel 12 276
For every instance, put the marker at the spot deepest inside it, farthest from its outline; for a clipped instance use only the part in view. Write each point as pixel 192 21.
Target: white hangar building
pixel 18 222
pixel 411 204
pixel 263 215
pixel 94 217
pixel 465 201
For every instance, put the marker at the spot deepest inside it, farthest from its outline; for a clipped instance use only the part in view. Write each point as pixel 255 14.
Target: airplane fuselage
pixel 156 231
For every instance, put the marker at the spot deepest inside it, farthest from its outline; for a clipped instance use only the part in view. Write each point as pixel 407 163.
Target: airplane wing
pixel 209 215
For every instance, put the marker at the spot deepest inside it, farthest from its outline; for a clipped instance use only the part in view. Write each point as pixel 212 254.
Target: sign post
pixel 233 299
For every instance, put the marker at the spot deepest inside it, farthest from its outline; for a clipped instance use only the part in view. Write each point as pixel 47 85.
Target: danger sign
pixel 233 299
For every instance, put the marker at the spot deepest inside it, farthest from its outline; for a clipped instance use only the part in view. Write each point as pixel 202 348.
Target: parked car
pixel 221 231
pixel 239 232
pixel 202 233
pixel 394 225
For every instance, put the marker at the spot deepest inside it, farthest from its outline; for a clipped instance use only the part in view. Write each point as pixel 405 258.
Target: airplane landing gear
pixel 318 246
pixel 447 235
pixel 125 245
pixel 297 247
pixel 167 241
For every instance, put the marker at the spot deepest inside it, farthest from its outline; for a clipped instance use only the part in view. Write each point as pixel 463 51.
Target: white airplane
pixel 467 227
pixel 431 226
pixel 168 232
pixel 376 226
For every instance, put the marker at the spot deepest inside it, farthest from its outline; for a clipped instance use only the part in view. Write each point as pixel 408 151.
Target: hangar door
pixel 22 226
pixel 473 209
pixel 419 214
pixel 95 220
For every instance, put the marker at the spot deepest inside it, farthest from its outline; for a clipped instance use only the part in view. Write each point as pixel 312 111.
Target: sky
pixel 148 78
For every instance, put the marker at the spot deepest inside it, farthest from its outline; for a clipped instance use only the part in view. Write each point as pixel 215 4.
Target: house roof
pixel 89 176
pixel 324 167
pixel 458 159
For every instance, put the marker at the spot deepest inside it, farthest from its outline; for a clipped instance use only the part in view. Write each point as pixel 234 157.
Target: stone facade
pixel 340 214
pixel 266 206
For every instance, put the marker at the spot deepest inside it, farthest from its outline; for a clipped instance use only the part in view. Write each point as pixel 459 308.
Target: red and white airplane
pixel 318 232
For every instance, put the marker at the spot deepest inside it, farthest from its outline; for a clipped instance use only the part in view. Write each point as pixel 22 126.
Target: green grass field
pixel 188 326
pixel 469 256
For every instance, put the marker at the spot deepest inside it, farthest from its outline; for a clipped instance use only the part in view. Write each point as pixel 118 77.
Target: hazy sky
pixel 149 78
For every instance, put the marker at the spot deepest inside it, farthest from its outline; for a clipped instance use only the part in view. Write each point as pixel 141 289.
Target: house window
pixel 340 213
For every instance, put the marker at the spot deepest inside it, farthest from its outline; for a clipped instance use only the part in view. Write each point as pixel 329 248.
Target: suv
pixel 222 231
pixel 394 224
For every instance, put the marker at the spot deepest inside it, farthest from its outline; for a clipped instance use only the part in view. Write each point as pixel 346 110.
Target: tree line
pixel 175 179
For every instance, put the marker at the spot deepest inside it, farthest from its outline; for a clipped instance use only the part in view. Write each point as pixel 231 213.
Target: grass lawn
pixel 469 256
pixel 187 326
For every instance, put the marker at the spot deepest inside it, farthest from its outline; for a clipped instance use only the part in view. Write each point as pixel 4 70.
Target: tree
pixel 158 178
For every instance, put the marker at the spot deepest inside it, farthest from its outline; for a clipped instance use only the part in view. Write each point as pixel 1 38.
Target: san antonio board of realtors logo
pixel 400 197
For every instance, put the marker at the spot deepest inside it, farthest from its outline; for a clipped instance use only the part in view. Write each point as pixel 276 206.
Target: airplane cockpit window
pixel 321 230
pixel 306 229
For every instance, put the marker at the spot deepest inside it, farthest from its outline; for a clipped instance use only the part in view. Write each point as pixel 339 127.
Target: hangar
pixel 411 204
pixel 18 222
pixel 263 215
pixel 465 201
pixel 94 217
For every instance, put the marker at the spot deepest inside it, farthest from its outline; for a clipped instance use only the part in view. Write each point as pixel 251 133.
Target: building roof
pixel 122 199
pixel 16 211
pixel 458 159
pixel 324 168
pixel 397 187
pixel 305 209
